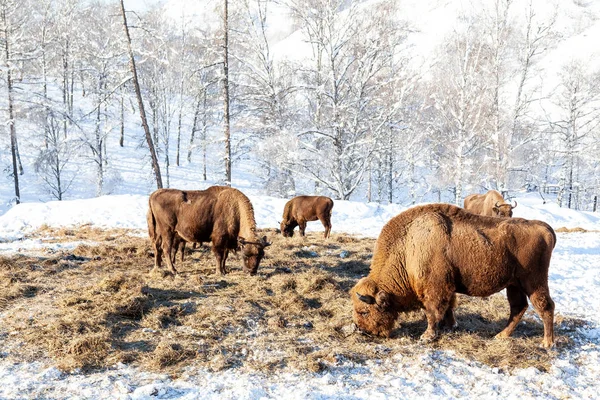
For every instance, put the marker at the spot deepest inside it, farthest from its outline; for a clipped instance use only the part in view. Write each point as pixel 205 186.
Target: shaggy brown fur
pixel 491 204
pixel 301 209
pixel 223 216
pixel 426 254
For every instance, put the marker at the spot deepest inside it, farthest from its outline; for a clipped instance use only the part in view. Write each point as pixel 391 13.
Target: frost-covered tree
pixel 349 62
pixel 15 49
pixel 577 118
pixel 462 103
pixel 53 160
pixel 103 68
pixel 265 96
pixel 517 40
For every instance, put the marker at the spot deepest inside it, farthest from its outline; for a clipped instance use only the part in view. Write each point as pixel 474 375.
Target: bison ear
pixel 366 298
pixel 383 299
pixel 495 209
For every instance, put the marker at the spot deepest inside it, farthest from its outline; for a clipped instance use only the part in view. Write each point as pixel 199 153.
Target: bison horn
pixel 366 299
pixel 497 204
pixel 241 240
pixel 515 204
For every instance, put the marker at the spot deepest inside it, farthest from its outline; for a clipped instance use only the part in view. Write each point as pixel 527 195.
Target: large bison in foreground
pixel 223 216
pixel 301 209
pixel 491 204
pixel 428 253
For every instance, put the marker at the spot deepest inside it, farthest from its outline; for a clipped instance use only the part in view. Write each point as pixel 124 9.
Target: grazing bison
pixel 491 204
pixel 301 209
pixel 221 215
pixel 427 254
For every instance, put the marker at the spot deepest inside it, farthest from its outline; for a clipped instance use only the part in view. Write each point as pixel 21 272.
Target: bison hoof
pixel 547 344
pixel 427 337
pixel 502 335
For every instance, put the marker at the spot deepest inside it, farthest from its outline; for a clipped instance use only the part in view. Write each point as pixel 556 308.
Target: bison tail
pixel 151 223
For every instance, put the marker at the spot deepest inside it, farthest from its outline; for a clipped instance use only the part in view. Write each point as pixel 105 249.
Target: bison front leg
pixel 302 226
pixel 437 309
pixel 434 316
pixel 518 305
pixel 449 322
pixel 221 256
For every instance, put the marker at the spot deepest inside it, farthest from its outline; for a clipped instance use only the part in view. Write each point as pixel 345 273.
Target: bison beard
pixel 427 254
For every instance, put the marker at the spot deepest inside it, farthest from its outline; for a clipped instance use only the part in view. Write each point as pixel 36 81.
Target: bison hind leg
pixel 544 305
pixel 326 224
pixel 518 305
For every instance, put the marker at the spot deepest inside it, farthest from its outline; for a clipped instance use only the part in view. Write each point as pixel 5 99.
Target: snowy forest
pixel 345 98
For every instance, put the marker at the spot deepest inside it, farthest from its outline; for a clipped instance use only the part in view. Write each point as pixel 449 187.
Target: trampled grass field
pixel 99 305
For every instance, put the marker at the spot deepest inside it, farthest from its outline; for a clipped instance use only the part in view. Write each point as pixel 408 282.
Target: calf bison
pixel 491 204
pixel 427 254
pixel 223 216
pixel 301 209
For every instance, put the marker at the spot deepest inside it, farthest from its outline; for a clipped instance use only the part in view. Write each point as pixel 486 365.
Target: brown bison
pixel 491 204
pixel 221 215
pixel 301 209
pixel 427 254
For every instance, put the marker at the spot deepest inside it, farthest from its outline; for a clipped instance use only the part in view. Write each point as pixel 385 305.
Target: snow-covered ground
pixel 574 283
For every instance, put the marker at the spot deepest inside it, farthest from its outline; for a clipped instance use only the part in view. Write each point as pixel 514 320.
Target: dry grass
pixel 99 305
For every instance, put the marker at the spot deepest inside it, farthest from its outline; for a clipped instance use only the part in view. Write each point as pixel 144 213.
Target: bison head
pixel 287 228
pixel 252 253
pixel 503 210
pixel 373 311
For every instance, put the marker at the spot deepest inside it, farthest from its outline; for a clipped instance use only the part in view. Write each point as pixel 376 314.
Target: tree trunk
pixel 193 134
pixel 204 134
pixel 138 93
pixel 178 135
pixel 122 137
pixel 390 163
pixel 65 89
pixel 11 118
pixel 226 116
pixel 98 149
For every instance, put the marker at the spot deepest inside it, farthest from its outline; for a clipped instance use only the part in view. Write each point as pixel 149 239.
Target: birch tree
pixel 136 85
pixel 461 99
pixel 578 99
pixel 13 22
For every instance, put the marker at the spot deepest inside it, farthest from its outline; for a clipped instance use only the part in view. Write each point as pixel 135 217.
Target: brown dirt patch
pixel 99 305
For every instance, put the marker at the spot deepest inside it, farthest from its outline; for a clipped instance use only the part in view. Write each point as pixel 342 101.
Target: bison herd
pixel 423 257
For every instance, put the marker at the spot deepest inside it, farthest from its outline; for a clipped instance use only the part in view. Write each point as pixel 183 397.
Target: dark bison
pixel 223 216
pixel 301 209
pixel 491 204
pixel 428 253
